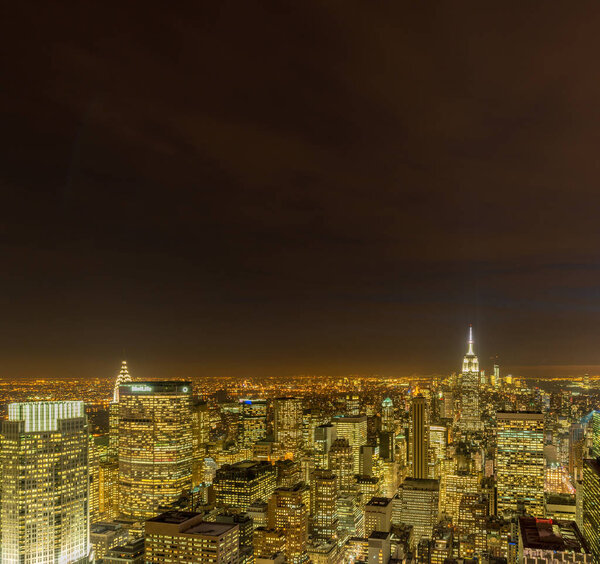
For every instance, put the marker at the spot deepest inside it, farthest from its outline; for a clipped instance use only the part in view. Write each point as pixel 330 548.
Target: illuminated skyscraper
pixel 155 446
pixel 387 415
pixel 591 505
pixel 113 411
pixel 324 437
pixel 341 463
pixel 253 421
pixel 241 484
pixel 200 426
pixel 183 536
pixel 520 462
pixel 324 498
pixel 419 438
pixel 419 506
pixel 352 405
pixel 354 430
pixel 470 415
pixel 45 484
pixel 595 423
pixel 438 439
pixel 289 511
pixel 288 425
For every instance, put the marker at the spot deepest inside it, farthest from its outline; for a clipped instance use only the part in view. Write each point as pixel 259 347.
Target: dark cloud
pixel 250 188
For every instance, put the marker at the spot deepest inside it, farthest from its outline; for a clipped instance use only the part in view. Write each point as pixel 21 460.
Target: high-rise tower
pixel 470 415
pixel 288 425
pixel 45 483
pixel 419 438
pixel 520 462
pixel 155 446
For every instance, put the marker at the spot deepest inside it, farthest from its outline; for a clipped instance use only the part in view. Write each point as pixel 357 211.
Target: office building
pixel 595 426
pixel 253 421
pixel 546 540
pixel 132 552
pixel 341 463
pixel 44 496
pixel 182 536
pixel 354 430
pixel 419 438
pixel 287 425
pixel 289 511
pixel 323 504
pixel 352 405
pixel 242 484
pixel 268 542
pixel 520 462
pixel 324 437
pixel 388 423
pixel 155 446
pixel 419 506
pixel 591 505
pixel 107 535
pixel 378 515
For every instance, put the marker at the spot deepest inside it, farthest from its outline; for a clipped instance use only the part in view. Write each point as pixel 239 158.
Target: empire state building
pixel 470 415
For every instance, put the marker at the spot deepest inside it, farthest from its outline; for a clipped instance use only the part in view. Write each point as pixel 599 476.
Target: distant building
pixel 287 425
pixel 419 438
pixel 354 430
pixel 44 499
pixel 179 536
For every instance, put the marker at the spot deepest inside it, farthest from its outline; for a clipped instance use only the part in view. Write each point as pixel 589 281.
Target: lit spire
pixel 122 377
pixel 470 352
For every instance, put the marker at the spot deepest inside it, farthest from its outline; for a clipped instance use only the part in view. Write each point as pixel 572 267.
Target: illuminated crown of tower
pixel 122 377
pixel 470 361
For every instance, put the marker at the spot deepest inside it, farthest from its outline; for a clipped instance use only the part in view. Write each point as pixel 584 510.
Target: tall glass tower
pixel 44 510
pixel 155 446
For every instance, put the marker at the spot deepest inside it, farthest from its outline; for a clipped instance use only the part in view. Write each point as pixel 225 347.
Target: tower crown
pixel 470 361
pixel 122 377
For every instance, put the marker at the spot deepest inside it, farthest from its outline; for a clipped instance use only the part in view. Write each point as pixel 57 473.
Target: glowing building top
pixel 470 361
pixel 122 377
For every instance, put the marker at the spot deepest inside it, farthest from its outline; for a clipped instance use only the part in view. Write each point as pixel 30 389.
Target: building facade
pixel 44 507
pixel 155 446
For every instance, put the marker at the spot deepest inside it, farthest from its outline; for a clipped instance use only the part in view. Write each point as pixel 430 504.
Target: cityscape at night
pixel 300 283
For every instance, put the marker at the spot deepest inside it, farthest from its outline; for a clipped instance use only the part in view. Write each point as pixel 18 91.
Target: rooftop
pixel 548 534
pixel 379 501
pixel 209 528
pixel 174 517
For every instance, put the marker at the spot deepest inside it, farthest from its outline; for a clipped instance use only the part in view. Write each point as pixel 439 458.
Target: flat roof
pixel 174 517
pixel 210 528
pixel 380 501
pixel 548 534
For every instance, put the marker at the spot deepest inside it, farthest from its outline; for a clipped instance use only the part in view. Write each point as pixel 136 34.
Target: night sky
pixel 278 188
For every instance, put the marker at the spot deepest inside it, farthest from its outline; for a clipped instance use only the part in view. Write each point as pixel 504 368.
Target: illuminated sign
pixel 141 388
